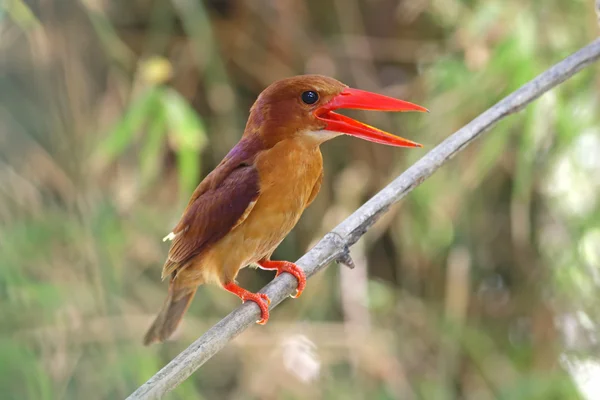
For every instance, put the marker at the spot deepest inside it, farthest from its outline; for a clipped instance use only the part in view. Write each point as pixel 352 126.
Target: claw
pixel 290 268
pixel 261 299
pixel 265 297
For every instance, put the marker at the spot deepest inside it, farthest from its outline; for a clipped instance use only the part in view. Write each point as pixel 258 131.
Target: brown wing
pixel 214 210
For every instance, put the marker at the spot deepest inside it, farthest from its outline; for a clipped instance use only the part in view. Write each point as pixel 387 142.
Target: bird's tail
pixel 170 315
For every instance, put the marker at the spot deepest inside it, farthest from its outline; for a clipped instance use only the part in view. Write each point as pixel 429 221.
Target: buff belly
pixel 285 192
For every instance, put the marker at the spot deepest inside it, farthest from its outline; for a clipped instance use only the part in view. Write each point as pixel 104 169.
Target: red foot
pixel 258 298
pixel 290 268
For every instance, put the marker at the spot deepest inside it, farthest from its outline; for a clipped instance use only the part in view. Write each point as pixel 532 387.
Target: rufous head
pixel 304 105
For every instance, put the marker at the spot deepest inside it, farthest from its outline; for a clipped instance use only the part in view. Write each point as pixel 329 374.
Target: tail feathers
pixel 170 315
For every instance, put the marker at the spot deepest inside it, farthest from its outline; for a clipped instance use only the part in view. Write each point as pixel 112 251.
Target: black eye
pixel 310 97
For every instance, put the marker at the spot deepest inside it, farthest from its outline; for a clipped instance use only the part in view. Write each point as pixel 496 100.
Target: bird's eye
pixel 310 97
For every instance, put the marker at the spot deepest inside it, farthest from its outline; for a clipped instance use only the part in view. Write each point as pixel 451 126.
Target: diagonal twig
pixel 334 245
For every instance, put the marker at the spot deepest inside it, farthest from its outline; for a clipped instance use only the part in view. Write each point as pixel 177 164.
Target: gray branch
pixel 335 244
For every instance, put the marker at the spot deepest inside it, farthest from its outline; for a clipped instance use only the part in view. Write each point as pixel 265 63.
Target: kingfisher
pixel 247 205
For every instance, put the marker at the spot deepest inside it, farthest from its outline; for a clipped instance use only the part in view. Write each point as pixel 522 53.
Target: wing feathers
pixel 214 212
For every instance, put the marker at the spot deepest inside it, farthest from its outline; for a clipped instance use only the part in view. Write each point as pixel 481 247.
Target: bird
pixel 243 209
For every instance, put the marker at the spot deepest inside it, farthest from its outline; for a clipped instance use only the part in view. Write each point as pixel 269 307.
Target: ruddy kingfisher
pixel 248 204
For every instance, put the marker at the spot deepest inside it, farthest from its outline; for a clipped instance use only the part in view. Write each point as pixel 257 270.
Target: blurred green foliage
pixel 159 111
pixel 482 284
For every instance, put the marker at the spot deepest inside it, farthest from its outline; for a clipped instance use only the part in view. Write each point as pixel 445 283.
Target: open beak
pixel 362 100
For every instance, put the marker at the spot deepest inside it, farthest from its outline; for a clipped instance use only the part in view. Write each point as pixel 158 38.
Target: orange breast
pixel 289 172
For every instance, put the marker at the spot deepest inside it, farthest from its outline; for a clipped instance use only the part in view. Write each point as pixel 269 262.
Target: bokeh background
pixel 482 284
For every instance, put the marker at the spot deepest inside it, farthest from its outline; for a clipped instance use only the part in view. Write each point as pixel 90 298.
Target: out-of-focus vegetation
pixel 481 284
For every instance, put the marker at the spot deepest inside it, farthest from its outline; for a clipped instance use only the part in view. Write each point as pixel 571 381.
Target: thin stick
pixel 349 231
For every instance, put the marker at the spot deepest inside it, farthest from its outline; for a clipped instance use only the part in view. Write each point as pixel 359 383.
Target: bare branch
pixel 335 244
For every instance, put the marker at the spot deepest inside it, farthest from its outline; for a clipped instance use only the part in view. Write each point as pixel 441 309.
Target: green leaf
pixel 122 135
pixel 185 126
pixel 188 163
pixel 150 154
pixel 188 136
pixel 21 14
